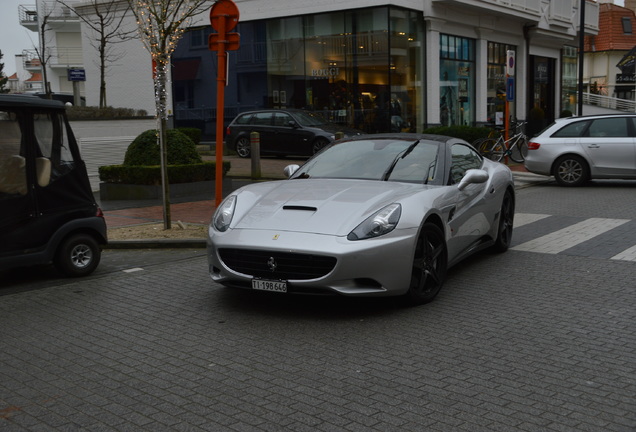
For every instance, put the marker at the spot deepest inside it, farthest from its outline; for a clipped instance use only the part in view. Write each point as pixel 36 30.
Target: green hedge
pixel 193 133
pixel 467 133
pixel 106 113
pixel 151 175
pixel 144 150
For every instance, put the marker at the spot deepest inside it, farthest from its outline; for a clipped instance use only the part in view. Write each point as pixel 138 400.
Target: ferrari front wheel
pixel 428 272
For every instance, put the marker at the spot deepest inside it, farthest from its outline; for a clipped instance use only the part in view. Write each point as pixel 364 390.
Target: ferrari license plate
pixel 269 285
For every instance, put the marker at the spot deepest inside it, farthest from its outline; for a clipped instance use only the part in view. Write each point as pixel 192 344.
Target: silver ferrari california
pixel 373 215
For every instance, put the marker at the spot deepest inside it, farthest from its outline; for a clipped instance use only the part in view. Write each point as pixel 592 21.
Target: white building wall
pixel 129 82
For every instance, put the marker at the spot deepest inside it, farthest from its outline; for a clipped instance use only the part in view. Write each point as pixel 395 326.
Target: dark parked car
pixel 283 132
pixel 47 210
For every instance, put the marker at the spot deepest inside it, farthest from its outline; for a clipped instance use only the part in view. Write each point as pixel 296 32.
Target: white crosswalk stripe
pixel 526 218
pixel 570 236
pixel 626 255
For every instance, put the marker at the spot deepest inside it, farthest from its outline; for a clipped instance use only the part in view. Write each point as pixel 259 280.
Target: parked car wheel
pixel 506 219
pixel 429 266
pixel 242 147
pixel 78 255
pixel 571 170
pixel 319 144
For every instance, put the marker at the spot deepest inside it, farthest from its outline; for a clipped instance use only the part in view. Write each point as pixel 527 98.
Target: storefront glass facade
pixel 457 81
pixel 569 80
pixel 354 71
pixel 497 57
pixel 360 68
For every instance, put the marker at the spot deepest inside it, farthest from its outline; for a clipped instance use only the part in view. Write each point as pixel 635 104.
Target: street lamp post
pixel 581 55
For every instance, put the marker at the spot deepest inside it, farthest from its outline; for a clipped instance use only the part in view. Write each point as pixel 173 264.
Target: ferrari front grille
pixel 277 265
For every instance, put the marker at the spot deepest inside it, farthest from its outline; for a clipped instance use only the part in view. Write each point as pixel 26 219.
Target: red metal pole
pixel 220 107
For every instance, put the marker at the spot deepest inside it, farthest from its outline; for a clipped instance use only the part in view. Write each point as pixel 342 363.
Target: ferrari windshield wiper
pixel 428 171
pixel 402 155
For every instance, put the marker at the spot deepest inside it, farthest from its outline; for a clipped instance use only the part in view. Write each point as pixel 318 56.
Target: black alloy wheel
pixel 506 220
pixel 429 266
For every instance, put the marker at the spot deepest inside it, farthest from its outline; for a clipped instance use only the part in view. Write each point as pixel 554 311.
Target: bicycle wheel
pixel 519 150
pixel 497 151
pixel 483 146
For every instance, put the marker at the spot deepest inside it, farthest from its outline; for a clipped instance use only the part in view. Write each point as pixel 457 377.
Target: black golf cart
pixel 47 210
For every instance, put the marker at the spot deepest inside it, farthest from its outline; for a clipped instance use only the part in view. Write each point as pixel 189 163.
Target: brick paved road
pixel 521 341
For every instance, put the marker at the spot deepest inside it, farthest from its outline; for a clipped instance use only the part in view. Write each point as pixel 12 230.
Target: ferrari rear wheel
pixel 506 219
pixel 429 266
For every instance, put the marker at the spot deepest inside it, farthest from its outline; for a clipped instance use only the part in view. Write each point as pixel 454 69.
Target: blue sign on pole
pixel 510 89
pixel 76 74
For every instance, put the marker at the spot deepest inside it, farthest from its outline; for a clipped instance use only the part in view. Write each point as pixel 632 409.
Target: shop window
pixel 496 83
pixel 457 78
pixel 348 67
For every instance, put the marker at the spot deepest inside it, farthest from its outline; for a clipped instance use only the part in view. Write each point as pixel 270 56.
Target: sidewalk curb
pixel 157 244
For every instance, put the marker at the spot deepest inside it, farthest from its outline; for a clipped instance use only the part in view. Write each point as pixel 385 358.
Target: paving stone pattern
pixel 506 346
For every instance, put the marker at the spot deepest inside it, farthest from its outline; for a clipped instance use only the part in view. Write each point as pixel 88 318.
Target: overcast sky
pixel 13 37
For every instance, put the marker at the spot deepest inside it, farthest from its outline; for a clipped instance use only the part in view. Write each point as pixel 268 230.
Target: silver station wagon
pixel 577 149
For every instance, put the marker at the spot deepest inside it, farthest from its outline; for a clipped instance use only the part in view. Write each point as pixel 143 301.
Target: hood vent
pixel 297 207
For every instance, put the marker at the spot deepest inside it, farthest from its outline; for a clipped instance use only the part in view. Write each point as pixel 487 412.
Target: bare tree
pixel 105 18
pixel 161 24
pixel 42 52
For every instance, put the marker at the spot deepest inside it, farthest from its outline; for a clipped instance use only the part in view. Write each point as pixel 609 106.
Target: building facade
pixel 609 55
pixel 59 49
pixel 378 65
pixel 392 65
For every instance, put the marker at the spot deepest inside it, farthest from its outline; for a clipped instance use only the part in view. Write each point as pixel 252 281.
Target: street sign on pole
pixel 76 74
pixel 510 89
pixel 510 63
pixel 224 16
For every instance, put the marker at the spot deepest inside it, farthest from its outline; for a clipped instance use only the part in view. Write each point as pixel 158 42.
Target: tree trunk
pixel 162 123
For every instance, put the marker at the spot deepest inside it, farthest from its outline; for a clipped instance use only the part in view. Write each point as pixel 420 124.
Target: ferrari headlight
pixel 223 215
pixel 378 224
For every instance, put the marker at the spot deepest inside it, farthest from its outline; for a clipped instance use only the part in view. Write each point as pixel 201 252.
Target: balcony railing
pixel 54 57
pixel 53 10
pixel 28 16
pixel 609 102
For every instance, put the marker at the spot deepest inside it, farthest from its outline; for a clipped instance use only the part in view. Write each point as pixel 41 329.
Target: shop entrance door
pixel 541 100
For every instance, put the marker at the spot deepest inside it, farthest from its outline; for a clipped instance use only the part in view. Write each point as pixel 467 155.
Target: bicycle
pixel 482 145
pixel 515 147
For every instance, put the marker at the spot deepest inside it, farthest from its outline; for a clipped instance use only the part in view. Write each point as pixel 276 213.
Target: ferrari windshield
pixel 413 161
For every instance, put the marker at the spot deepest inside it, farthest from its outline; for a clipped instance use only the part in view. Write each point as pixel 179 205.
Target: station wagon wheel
pixel 319 144
pixel 571 170
pixel 242 147
pixel 78 255
pixel 506 219
pixel 429 266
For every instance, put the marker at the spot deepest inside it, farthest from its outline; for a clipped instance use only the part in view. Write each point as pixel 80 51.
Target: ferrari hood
pixel 320 206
